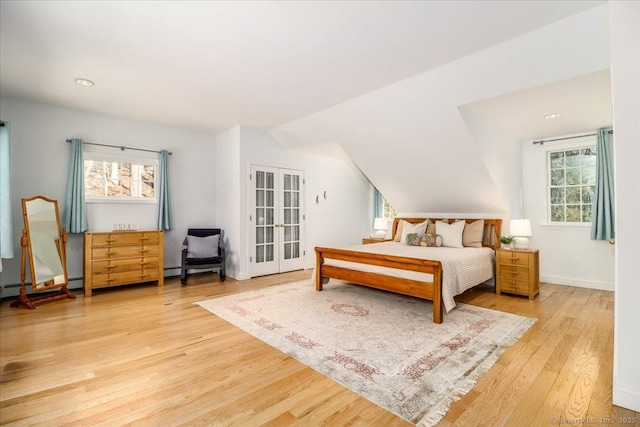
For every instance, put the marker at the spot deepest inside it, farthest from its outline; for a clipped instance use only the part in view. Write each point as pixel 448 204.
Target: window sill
pixel 129 201
pixel 566 226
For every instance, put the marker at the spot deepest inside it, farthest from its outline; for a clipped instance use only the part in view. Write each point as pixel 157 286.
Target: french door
pixel 276 220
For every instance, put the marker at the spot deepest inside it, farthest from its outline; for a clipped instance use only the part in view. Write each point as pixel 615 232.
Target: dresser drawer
pixel 129 238
pixel 124 264
pixel 513 286
pixel 124 252
pixel 124 278
pixel 514 271
pixel 513 257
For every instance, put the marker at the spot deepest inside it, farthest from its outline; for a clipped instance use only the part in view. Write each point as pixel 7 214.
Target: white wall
pixel 568 256
pixel 342 219
pixel 40 155
pixel 625 70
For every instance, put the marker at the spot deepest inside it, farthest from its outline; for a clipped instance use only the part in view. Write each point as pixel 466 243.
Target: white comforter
pixel 462 268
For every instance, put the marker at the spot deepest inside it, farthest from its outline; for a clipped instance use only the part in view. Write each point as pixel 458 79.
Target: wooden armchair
pixel 203 249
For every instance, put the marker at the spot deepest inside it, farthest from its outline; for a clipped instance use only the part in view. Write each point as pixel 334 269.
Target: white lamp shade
pixel 520 228
pixel 379 224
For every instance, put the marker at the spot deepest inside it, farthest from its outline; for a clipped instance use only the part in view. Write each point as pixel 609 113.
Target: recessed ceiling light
pixel 84 82
pixel 552 116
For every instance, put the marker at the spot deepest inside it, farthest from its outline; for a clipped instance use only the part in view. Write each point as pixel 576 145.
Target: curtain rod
pixel 541 142
pixel 121 147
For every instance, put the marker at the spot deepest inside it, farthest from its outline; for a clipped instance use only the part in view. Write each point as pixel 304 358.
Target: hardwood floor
pixel 147 356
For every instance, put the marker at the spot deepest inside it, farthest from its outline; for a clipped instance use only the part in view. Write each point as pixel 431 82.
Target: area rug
pixel 381 345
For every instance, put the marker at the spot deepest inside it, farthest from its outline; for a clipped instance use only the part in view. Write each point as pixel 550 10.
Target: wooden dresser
pixel 114 258
pixel 518 272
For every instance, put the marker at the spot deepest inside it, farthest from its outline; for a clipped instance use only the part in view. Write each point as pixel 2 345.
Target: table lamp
pixel 521 230
pixel 380 225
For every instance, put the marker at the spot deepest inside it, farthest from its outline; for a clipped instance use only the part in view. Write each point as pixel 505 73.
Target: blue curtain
pixel 6 226
pixel 164 201
pixel 378 209
pixel 74 218
pixel 602 214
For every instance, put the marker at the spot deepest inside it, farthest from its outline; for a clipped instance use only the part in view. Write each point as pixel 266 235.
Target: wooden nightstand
pixel 368 240
pixel 517 272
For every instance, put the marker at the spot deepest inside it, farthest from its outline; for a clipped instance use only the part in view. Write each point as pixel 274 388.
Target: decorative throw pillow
pixel 408 228
pixel 202 247
pixel 473 233
pixel 396 237
pixel 451 233
pixel 424 240
pixel 432 239
pixel 416 239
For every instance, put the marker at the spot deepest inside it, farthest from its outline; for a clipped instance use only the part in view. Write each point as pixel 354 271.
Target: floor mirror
pixel 43 245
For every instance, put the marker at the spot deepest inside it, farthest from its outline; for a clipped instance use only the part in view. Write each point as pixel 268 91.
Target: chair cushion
pixel 203 247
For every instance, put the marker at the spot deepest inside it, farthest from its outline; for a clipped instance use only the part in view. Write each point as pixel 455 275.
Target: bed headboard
pixel 490 238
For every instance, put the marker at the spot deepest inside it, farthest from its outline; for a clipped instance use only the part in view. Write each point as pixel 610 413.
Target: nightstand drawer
pixel 513 257
pixel 518 272
pixel 513 286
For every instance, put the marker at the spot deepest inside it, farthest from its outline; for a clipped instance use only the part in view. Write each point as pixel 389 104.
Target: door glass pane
pixel 259 197
pixel 259 254
pixel 295 200
pixel 287 199
pixel 259 234
pixel 269 201
pixel 295 250
pixel 259 179
pixel 295 232
pixel 269 253
pixel 287 182
pixel 260 216
pixel 287 216
pixel 270 216
pixel 287 251
pixel 269 183
pixel 295 216
pixel 287 233
pixel 296 182
pixel 268 238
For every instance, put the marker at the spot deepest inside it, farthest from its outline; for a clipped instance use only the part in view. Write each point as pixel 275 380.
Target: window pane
pixel 557 160
pixel 573 195
pixel 557 213
pixel 573 213
pixel 557 177
pixel 572 158
pixel 586 213
pixel 557 196
pixel 573 176
pixel 587 194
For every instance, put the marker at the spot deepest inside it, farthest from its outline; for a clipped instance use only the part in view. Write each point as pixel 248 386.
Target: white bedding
pixel 462 268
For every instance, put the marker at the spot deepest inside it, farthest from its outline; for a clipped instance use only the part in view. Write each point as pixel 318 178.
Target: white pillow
pixel 408 228
pixel 451 233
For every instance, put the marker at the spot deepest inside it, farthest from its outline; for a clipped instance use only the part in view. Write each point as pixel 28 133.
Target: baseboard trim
pixel 578 283
pixel 626 398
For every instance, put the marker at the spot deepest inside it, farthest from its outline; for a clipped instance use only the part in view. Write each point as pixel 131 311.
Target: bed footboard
pixel 431 291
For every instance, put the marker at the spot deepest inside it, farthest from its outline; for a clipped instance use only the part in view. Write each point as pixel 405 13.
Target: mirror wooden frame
pixel 29 237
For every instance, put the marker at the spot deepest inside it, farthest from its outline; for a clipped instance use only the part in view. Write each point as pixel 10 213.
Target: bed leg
pixel 319 261
pixel 437 311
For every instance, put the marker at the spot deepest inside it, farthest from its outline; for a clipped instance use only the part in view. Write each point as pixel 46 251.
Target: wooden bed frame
pixel 431 291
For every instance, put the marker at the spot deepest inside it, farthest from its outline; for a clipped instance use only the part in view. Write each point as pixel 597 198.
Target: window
pixel 571 184
pixel 388 210
pixel 119 179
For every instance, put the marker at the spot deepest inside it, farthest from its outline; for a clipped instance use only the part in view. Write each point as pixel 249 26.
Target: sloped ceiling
pixel 412 141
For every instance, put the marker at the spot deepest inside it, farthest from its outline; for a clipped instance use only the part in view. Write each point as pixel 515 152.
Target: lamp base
pixel 521 243
pixel 380 234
